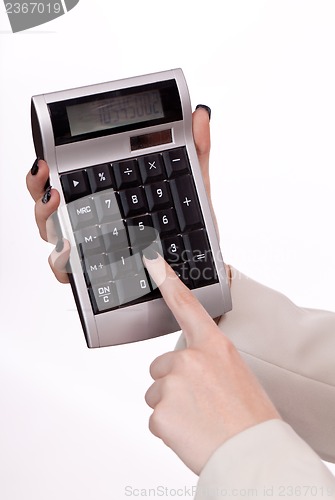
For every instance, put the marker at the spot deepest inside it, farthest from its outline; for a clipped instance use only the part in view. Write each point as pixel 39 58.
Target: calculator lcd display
pixel 114 112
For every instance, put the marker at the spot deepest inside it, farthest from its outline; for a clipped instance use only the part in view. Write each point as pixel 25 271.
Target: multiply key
pixel 151 167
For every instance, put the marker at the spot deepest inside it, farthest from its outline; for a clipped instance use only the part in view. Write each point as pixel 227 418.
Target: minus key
pixel 176 162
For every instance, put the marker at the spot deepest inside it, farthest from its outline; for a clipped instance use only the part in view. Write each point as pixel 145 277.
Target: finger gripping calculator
pixel 122 156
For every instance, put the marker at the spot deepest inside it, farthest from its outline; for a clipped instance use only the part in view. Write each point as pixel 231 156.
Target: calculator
pixel 122 156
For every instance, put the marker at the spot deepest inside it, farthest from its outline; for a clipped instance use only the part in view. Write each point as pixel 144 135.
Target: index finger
pixel 191 316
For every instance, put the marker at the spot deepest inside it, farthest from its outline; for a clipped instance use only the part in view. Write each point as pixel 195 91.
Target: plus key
pixel 186 202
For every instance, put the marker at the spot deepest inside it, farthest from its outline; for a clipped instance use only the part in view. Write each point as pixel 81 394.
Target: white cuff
pixel 269 461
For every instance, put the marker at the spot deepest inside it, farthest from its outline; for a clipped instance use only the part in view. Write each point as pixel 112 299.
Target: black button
pixel 124 264
pixel 182 270
pixel 100 177
pixel 186 202
pixel 104 296
pixel 151 168
pixel 115 236
pixel 141 231
pixel 75 185
pixel 133 288
pixel 97 269
pixel 174 250
pixel 126 174
pixel 176 162
pixel 90 241
pixel 82 213
pixel 202 269
pixel 133 201
pixel 165 221
pixel 158 195
pixel 107 206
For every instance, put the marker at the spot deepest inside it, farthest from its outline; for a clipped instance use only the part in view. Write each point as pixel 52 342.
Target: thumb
pixel 193 319
pixel 201 134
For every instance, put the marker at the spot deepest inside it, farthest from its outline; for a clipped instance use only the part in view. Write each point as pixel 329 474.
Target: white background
pixel 73 422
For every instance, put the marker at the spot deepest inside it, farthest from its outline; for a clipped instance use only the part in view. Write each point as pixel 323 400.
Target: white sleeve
pixel 268 461
pixel 291 351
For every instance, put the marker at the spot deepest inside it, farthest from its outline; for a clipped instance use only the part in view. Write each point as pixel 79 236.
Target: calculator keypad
pixel 118 209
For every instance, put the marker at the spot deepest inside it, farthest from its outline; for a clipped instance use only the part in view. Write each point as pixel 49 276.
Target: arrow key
pixel 75 185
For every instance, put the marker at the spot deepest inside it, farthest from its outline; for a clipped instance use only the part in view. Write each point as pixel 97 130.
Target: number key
pixel 114 235
pixel 173 249
pixel 141 231
pixel 165 221
pixel 133 201
pixel 132 288
pixel 107 206
pixel 123 264
pixel 158 195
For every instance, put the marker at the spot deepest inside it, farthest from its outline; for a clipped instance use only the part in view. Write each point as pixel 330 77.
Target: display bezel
pixel 171 104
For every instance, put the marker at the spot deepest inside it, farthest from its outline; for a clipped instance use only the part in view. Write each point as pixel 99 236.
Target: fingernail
pixel 60 245
pixel 207 108
pixel 47 195
pixel 47 184
pixel 155 265
pixel 34 168
pixel 150 253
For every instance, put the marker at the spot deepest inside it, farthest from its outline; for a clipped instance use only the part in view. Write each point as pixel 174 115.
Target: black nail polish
pixel 150 253
pixel 60 245
pixel 47 195
pixel 34 168
pixel 207 108
pixel 47 184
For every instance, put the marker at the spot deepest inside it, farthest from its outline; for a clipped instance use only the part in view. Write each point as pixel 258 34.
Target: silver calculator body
pixel 122 156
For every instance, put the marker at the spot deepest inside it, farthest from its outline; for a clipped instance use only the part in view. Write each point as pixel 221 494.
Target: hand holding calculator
pixel 122 157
